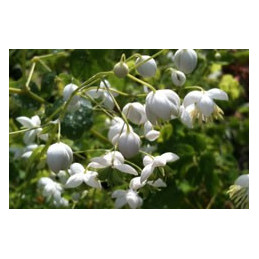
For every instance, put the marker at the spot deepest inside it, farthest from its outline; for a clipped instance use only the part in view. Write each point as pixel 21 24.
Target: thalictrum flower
pixel 30 123
pixel 149 132
pixel 201 105
pixel 78 175
pixel 129 197
pixel 185 60
pixel 112 159
pixel 162 105
pixel 239 192
pixel 151 163
pixel 136 183
pixel 135 112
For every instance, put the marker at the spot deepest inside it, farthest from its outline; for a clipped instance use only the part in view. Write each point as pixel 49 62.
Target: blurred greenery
pixel 212 155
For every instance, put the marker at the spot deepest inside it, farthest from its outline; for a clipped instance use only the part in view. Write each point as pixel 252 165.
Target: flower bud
pixel 178 78
pixel 135 112
pixel 148 69
pixel 68 90
pixel 121 69
pixel 185 60
pixel 162 104
pixel 59 157
pixel 129 144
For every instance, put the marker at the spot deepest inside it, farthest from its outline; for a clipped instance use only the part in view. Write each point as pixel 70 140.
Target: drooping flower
pixel 30 123
pixel 239 192
pixel 75 102
pixel 116 128
pixel 148 69
pixel 151 163
pixel 59 157
pixel 185 60
pixel 162 105
pixel 112 159
pixel 128 143
pixel 78 175
pixel 178 78
pixel 103 94
pixel 129 197
pixel 201 105
pixel 135 112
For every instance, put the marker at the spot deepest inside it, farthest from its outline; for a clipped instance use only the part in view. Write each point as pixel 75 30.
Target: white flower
pixel 50 188
pixel 185 60
pixel 75 102
pixel 151 163
pixel 202 105
pixel 178 78
pixel 162 105
pixel 117 127
pixel 59 157
pixel 129 197
pixel 149 133
pixel 103 94
pixel 29 123
pixel 112 159
pixel 148 69
pixel 136 183
pixel 78 175
pixel 28 150
pixel 129 143
pixel 135 112
pixel 239 192
pixel 185 116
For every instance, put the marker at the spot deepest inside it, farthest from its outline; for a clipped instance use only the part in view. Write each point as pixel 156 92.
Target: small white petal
pixel 26 154
pixel 147 160
pixel 152 135
pixel 159 161
pixel 108 101
pixel 95 165
pixel 36 120
pixel 135 183
pixel 217 94
pixel 76 168
pixel 118 193
pixel 133 199
pixel 120 202
pixel 146 172
pixel 102 161
pixel 192 97
pixel 185 117
pixel 206 105
pixel 26 122
pixel 90 179
pixel 170 157
pixel 126 169
pixel 75 180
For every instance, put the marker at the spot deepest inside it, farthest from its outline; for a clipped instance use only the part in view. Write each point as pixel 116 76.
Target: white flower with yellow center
pixel 201 105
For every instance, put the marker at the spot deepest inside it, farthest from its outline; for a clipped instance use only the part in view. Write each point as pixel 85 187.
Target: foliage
pixel 212 155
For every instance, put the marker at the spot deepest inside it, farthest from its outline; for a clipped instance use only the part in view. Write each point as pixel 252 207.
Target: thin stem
pixel 15 90
pixel 37 58
pixel 59 131
pixel 27 84
pixel 23 130
pixel 92 150
pixel 133 165
pixel 99 135
pixel 44 65
pixel 141 82
pixel 117 106
pixel 194 87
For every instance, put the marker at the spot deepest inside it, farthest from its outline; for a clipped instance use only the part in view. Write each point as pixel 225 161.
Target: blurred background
pixel 212 155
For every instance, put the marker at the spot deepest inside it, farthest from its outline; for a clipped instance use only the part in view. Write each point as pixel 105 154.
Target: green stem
pixel 136 166
pixel 23 130
pixel 99 135
pixel 141 82
pixel 194 87
pixel 27 84
pixel 15 90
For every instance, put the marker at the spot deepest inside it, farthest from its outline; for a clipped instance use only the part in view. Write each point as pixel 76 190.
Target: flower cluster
pixel 130 129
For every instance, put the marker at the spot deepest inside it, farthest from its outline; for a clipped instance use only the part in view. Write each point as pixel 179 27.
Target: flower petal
pixel 26 122
pixel 217 94
pixel 74 181
pixel 135 183
pixel 120 202
pixel 192 97
pixel 158 183
pixel 76 168
pixel 152 135
pixel 146 172
pixel 206 105
pixel 170 157
pixel 126 169
pixel 102 161
pixel 36 120
pixel 185 117
pixel 95 165
pixel 159 161
pixel 91 180
pixel 147 160
pixel 118 193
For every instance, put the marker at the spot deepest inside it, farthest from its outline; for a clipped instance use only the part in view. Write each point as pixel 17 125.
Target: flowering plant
pixel 141 129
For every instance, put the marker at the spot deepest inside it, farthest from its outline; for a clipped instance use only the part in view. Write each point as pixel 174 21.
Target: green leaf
pixel 77 122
